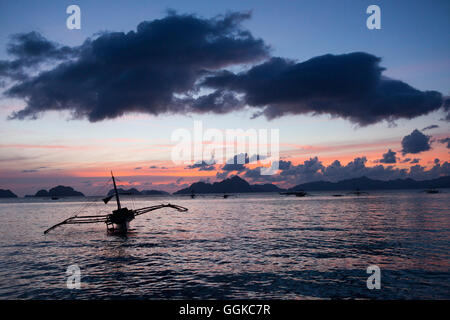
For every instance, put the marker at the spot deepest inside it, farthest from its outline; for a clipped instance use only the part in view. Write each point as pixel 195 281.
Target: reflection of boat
pixel 299 193
pixel 119 219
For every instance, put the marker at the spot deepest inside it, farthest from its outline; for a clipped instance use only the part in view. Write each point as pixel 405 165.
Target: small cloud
pixel 389 157
pixel 416 142
pixel 203 165
pixel 445 141
pixel 433 126
pixel 178 181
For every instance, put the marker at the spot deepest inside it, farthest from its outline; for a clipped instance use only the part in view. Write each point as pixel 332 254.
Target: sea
pixel 248 246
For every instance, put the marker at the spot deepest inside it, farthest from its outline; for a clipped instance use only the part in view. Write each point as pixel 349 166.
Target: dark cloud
pixel 179 180
pixel 388 157
pixel 162 66
pixel 433 126
pixel 445 140
pixel 29 50
pixel 446 106
pixel 222 174
pixel 350 86
pixel 156 167
pixel 438 170
pixel 284 165
pixel 416 160
pixel 138 168
pixel 314 170
pixel 30 171
pixel 238 162
pixel 151 70
pixel 415 142
pixel 203 166
pixel 309 170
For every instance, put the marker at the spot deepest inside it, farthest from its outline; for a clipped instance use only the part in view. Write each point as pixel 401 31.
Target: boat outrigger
pixel 119 219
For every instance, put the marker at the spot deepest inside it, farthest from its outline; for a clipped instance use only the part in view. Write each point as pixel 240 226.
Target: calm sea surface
pixel 246 246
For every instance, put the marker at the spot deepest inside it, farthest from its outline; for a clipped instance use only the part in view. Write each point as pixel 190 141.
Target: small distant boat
pixel 192 195
pixel 225 196
pixel 338 195
pixel 55 198
pixel 431 191
pixel 358 192
pixel 299 193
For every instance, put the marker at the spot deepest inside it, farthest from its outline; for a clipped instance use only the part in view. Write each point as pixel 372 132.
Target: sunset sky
pixel 87 124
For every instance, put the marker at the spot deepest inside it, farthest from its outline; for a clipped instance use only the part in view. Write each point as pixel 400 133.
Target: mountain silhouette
pixel 7 194
pixel 59 191
pixel 134 191
pixel 365 183
pixel 239 185
pixel 231 185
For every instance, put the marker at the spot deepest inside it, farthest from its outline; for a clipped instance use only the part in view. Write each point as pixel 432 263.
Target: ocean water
pixel 247 246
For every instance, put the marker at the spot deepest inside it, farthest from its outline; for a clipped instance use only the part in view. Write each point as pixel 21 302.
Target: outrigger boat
pixel 119 220
pixel 358 192
pixel 432 190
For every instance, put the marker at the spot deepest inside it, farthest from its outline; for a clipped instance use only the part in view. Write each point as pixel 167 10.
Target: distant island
pixel 365 183
pixel 7 194
pixel 231 185
pixel 239 185
pixel 134 191
pixel 236 184
pixel 59 191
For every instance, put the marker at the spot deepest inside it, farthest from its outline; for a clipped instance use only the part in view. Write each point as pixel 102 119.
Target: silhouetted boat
pixel 431 191
pixel 358 192
pixel 119 219
pixel 225 196
pixel 55 198
pixel 299 193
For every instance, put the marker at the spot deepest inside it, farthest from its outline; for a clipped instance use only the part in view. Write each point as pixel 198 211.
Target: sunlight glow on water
pixel 247 246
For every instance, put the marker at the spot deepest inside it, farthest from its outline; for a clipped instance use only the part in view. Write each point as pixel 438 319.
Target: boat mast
pixel 115 191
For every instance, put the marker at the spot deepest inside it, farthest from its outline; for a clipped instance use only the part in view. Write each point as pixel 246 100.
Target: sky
pixel 114 103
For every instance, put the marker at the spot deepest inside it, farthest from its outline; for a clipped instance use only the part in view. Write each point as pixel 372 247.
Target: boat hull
pixel 119 228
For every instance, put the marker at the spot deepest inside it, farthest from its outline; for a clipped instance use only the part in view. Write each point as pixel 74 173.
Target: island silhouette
pixel 237 184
